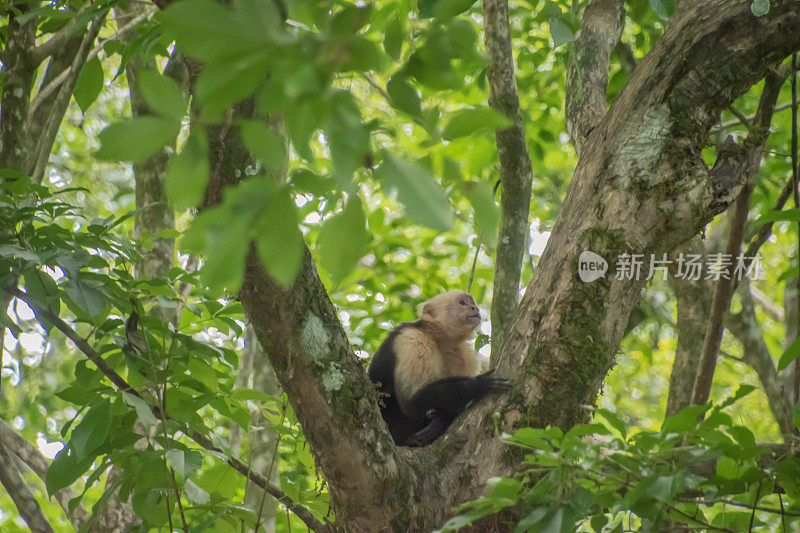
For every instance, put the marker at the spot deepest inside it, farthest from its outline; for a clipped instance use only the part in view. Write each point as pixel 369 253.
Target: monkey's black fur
pixel 434 407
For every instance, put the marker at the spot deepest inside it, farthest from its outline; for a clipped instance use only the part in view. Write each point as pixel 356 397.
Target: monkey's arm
pixel 443 400
pixel 451 395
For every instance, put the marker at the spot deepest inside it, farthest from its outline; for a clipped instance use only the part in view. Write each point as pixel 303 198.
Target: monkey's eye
pixel 462 301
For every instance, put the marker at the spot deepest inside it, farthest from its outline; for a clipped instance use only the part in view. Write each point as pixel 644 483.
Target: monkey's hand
pixel 487 383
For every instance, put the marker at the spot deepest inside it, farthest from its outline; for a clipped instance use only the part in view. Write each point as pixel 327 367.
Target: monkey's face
pixel 465 312
pixel 456 311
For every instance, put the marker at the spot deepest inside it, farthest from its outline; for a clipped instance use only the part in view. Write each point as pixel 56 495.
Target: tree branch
pixel 18 73
pixel 745 328
pixel 587 75
pixel 61 77
pixel 515 169
pixel 744 162
pixel 59 39
pixel 21 494
pixel 28 454
pixel 49 105
pixel 42 310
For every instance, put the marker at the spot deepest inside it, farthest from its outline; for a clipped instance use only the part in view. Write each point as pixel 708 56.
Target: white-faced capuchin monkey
pixel 427 371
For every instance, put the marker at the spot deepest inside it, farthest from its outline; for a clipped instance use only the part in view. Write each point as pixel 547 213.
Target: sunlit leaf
pixel 424 199
pixel 187 174
pixel 64 470
pixel 264 142
pixel 467 121
pixel 92 431
pixel 791 353
pixel 89 84
pixel 278 239
pixel 161 94
pixel 343 240
pixel 403 95
pixel 136 139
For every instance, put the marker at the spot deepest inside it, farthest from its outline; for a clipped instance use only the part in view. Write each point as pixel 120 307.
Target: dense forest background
pixel 211 214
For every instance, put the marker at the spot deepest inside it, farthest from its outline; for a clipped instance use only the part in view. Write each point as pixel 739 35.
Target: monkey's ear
pixel 425 309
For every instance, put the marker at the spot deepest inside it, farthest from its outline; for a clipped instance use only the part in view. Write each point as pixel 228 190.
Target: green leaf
pixel 184 462
pixel 791 353
pixel 86 295
pixel 685 420
pixel 343 240
pixel 305 181
pixel 9 251
pixel 143 411
pixel 64 470
pixel 209 31
pixel 221 85
pixel 278 239
pixel 740 393
pixel 195 493
pixel 404 96
pixel 350 19
pixel 227 247
pixel 727 468
pixel 302 119
pixel 187 174
pixel 743 436
pixel 467 121
pixel 364 55
pixel 44 289
pixel 613 420
pixel 424 199
pixel 560 32
pixel 393 41
pixel 91 433
pixel 89 84
pixel 265 143
pixel 347 137
pixel 760 7
pixel 136 139
pixel 487 212
pixel 774 216
pixel 447 9
pixel 162 95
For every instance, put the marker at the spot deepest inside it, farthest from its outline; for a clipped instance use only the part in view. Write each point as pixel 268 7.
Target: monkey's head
pixel 455 311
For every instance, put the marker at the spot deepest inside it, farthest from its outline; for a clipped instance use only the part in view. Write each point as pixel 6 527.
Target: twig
pixel 58 80
pixel 721 302
pixel 755 504
pixel 743 119
pixel 472 270
pixel 44 50
pixel 734 503
pixel 765 230
pixel 705 525
pixel 724 288
pixel 42 310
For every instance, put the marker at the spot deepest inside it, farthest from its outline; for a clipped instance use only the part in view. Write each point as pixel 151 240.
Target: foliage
pixel 88 272
pixel 700 469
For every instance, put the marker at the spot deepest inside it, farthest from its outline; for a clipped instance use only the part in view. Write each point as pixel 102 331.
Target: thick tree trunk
pixel 693 299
